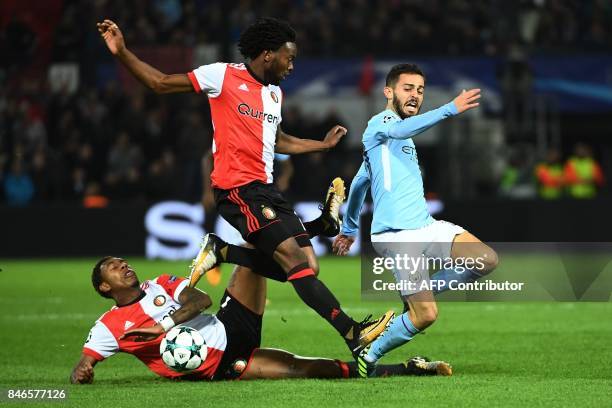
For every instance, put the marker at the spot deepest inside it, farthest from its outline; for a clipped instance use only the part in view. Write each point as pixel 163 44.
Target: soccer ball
pixel 183 349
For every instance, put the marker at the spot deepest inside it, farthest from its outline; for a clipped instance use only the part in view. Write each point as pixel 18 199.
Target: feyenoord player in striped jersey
pixel 144 312
pixel 245 102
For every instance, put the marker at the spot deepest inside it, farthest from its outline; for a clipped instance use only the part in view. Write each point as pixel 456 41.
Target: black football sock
pixel 315 294
pixel 315 227
pixel 382 370
pixel 259 262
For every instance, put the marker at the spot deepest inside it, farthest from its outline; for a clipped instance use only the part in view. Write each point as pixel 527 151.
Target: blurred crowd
pixel 98 143
pixel 579 176
pixel 103 146
pixel 358 27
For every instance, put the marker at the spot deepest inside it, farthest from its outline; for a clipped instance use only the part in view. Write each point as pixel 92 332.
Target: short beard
pixel 398 108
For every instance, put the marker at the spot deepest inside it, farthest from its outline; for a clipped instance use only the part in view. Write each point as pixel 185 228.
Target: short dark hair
pixel 400 69
pixel 96 277
pixel 265 34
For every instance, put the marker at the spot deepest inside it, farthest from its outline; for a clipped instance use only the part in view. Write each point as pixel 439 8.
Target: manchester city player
pixel 391 169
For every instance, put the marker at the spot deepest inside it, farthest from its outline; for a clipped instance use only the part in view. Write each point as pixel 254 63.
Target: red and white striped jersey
pixel 245 115
pixel 160 299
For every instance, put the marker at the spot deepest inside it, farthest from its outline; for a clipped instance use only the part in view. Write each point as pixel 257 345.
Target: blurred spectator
pixel 18 44
pixel 582 173
pixel 18 185
pixel 162 176
pixel 283 171
pixel 40 176
pixel 123 175
pixel 193 141
pixel 93 197
pixel 516 80
pixel 549 175
pixel 517 179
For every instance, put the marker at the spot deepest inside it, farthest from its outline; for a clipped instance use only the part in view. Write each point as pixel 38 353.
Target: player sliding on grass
pixel 245 103
pixel 144 312
pixel 401 222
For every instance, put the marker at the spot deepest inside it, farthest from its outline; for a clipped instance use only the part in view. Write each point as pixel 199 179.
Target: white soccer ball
pixel 183 349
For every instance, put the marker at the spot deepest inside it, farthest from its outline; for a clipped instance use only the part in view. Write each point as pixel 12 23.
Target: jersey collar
pixel 255 77
pixel 138 299
pixel 392 112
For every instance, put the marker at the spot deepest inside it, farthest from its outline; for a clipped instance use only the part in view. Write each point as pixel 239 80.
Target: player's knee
pixel 490 261
pixel 314 265
pixel 426 316
pixel 315 269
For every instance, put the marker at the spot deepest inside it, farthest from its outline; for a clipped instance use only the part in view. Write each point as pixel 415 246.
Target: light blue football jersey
pixel 391 168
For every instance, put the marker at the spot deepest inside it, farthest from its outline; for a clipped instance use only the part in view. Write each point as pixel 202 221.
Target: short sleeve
pixel 100 343
pixel 173 285
pixel 208 78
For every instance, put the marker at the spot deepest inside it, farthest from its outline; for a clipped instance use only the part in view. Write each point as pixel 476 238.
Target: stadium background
pixel 92 164
pixel 78 132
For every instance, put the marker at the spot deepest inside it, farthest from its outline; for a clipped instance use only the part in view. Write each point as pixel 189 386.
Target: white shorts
pixel 432 241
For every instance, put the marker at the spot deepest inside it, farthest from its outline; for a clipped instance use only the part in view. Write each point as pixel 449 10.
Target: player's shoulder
pixel 110 318
pixel 377 127
pixel 164 279
pixel 383 118
pixel 234 68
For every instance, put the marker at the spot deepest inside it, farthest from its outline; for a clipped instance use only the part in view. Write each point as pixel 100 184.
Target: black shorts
pixel 262 215
pixel 243 331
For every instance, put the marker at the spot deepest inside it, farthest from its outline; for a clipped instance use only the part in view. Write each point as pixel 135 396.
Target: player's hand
pixel 334 135
pixel 467 100
pixel 82 374
pixel 144 333
pixel 342 244
pixel 112 36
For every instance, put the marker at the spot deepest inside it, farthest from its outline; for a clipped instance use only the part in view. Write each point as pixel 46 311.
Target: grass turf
pixel 503 354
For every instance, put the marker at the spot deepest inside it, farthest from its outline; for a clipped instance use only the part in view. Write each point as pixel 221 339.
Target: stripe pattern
pixel 252 221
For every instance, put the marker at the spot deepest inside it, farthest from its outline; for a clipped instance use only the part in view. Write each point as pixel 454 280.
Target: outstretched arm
pixel 193 301
pixel 149 76
pixel 350 224
pixel 83 372
pixel 288 144
pixel 414 125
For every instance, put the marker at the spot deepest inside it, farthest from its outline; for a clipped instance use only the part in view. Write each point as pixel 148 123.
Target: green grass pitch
pixel 503 354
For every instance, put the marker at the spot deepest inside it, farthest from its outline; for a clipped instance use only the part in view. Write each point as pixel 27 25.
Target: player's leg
pixel 279 364
pixel 465 249
pixel 299 261
pixel 327 224
pixel 466 245
pixel 266 220
pixel 421 314
pixel 275 364
pixel 317 296
pixel 248 288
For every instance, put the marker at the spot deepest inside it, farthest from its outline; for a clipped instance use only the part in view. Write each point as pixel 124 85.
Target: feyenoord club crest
pixel 274 97
pixel 268 213
pixel 159 300
pixel 239 366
